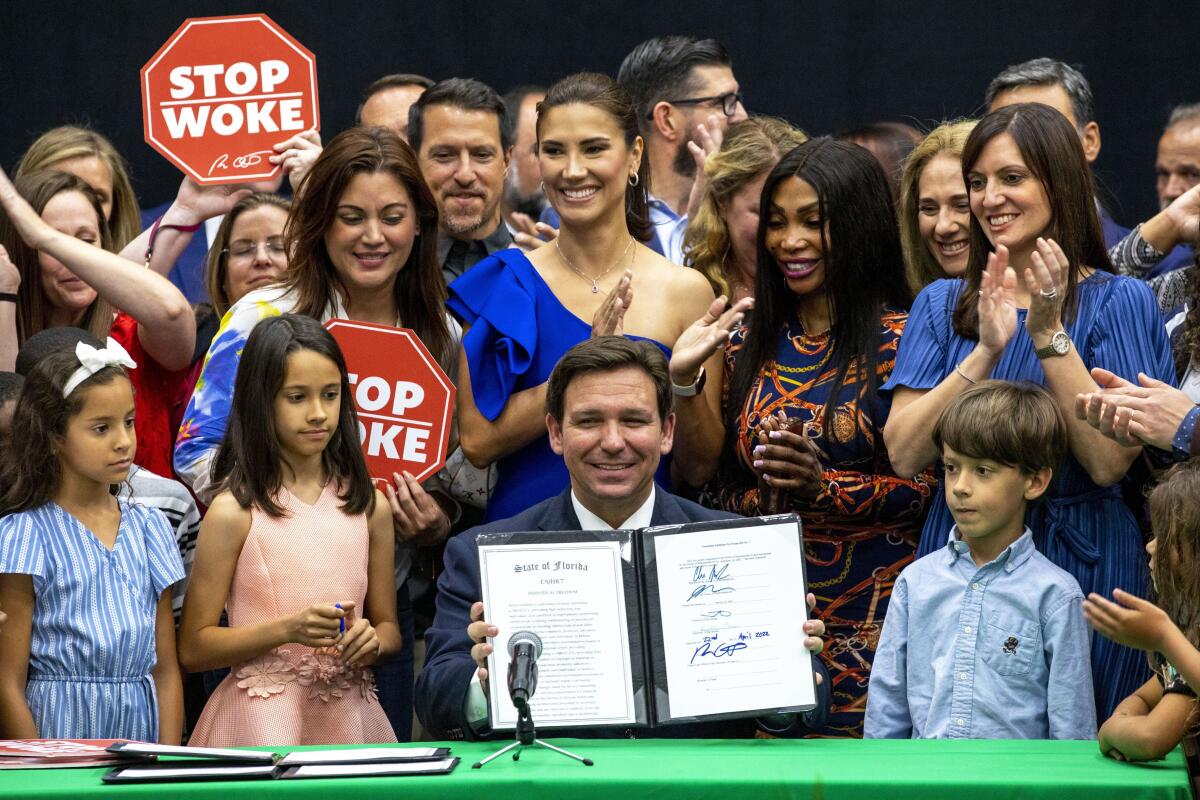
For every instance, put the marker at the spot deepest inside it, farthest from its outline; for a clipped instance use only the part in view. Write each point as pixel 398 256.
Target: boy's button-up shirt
pixel 993 652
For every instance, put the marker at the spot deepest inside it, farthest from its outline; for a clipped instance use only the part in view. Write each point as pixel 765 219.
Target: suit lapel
pixel 559 514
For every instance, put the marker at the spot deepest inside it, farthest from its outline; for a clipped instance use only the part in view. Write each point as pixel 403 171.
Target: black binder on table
pixel 175 772
pixel 647 663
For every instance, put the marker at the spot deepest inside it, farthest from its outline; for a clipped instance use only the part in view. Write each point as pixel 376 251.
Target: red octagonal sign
pixel 403 398
pixel 222 91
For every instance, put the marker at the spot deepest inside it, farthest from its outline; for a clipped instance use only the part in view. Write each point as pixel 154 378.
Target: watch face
pixel 1061 343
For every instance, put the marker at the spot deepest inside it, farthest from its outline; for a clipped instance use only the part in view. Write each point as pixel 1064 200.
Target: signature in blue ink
pixel 720 612
pixel 711 648
pixel 710 573
pixel 711 589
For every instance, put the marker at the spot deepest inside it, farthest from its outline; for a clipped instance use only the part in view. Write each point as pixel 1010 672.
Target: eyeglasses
pixel 729 102
pixel 243 248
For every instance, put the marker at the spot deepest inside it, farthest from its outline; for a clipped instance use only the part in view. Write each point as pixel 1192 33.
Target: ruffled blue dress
pixel 518 332
pixel 1086 529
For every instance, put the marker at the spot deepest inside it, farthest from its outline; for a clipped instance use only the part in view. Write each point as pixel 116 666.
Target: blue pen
pixel 342 621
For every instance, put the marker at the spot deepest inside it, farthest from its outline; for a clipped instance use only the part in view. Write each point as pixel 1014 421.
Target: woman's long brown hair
pixel 1050 147
pixel 420 290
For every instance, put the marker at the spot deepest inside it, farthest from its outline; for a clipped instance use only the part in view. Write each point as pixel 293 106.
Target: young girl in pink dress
pixel 298 547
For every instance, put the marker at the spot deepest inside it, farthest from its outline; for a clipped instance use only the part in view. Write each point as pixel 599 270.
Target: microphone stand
pixel 527 737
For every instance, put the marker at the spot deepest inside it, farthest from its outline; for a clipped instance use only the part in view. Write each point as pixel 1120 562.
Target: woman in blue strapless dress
pixel 521 313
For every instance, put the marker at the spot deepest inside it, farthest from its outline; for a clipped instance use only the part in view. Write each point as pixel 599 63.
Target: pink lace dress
pixel 294 694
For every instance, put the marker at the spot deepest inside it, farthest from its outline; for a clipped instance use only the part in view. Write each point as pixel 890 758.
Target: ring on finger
pixel 1050 295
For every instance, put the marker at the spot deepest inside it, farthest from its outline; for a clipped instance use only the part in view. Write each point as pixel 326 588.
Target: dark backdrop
pixel 824 64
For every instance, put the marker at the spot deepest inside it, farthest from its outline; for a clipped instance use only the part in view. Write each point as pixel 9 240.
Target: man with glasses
pixel 679 84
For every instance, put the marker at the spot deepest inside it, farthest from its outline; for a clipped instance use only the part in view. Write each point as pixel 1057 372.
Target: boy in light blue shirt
pixel 985 638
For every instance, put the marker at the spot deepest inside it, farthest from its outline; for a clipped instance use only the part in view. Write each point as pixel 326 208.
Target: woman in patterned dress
pixel 801 405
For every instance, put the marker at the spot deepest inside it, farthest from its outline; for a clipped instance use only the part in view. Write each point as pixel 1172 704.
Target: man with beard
pixel 678 84
pixel 462 134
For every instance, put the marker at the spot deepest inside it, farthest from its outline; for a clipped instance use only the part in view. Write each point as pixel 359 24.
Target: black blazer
pixel 442 686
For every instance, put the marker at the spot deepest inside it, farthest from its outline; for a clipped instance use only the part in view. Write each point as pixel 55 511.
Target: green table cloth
pixel 759 768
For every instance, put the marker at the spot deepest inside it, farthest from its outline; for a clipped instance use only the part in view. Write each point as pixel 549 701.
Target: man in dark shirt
pixel 462 134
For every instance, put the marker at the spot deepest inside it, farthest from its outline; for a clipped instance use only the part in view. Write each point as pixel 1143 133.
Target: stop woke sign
pixel 222 91
pixel 403 398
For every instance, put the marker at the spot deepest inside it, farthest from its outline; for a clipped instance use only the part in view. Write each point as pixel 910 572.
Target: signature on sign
pixel 241 162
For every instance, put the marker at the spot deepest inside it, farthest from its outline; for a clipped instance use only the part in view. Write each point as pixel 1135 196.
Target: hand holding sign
pixel 403 399
pixel 223 91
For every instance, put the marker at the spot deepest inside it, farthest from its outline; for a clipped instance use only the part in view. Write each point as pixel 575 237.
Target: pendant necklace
pixel 583 275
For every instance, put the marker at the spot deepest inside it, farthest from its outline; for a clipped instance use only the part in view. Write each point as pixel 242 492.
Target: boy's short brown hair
pixel 1014 423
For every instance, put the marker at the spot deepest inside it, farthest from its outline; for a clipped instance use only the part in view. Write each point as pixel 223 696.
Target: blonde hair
pixel 950 138
pixel 750 149
pixel 216 264
pixel 71 141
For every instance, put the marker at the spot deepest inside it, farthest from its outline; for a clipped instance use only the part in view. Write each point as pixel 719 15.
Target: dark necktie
pixel 456 259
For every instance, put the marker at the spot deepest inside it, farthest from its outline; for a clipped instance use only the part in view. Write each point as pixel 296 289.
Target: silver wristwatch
pixel 1060 345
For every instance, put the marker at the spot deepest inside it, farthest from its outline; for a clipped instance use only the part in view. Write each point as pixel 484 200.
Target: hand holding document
pixel 669 624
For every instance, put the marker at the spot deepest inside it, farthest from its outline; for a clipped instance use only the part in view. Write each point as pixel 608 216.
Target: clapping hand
pixel 708 141
pixel 530 235
pixel 1046 282
pixel 609 319
pixel 785 461
pixel 997 302
pixel 704 337
pixel 1149 412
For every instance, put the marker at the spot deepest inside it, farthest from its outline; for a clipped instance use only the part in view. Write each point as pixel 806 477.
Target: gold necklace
pixel 583 275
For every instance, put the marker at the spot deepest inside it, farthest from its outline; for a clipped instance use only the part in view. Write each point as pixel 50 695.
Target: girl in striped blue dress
pixel 88 651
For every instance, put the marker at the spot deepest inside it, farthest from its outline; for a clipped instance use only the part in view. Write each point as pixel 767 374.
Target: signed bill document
pixel 676 623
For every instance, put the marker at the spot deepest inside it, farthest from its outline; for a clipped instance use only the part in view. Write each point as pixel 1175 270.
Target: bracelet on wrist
pixel 158 223
pixel 958 368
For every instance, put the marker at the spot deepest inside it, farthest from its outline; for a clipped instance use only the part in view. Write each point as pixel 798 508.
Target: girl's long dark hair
pixel 864 268
pixel 250 460
pixel 420 288
pixel 1175 517
pixel 31 473
pixel 1050 146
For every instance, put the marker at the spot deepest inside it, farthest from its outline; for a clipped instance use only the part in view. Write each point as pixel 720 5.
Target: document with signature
pixel 726 613
pixel 577 592
pixel 640 628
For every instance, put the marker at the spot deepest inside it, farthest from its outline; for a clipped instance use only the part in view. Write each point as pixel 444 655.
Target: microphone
pixel 524 647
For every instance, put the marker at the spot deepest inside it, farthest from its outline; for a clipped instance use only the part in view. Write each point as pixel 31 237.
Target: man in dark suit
pixel 609 412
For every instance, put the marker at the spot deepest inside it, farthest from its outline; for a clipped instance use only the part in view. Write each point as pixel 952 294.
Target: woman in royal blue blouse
pixel 1039 302
pixel 520 314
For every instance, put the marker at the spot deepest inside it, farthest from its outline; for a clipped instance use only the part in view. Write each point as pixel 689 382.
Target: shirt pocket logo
pixel 1009 645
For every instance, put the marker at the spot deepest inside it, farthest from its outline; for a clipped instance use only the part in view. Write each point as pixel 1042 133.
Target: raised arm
pixel 909 430
pixel 486 441
pixel 166 325
pixel 699 427
pixel 1106 461
pixel 523 418
pixel 10 283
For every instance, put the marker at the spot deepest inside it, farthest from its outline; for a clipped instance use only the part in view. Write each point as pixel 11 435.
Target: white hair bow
pixel 92 361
